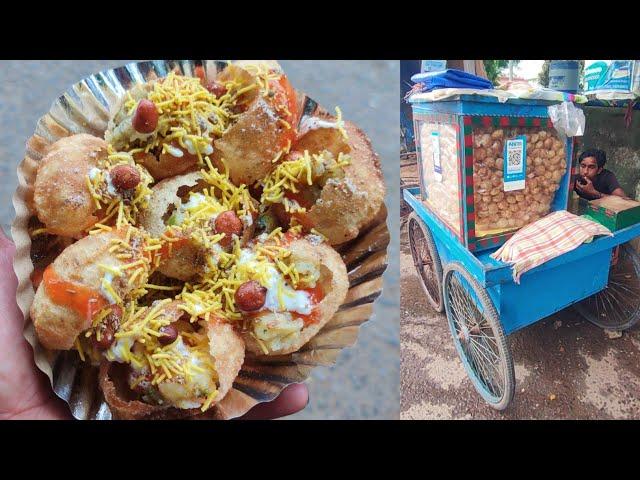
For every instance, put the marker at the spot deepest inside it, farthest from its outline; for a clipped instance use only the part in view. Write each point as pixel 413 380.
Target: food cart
pixel 488 167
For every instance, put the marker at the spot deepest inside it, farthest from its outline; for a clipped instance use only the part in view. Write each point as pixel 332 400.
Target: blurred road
pixel 364 383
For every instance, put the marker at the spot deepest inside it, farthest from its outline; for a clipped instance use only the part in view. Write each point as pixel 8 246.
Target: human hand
pixel 25 391
pixel 587 187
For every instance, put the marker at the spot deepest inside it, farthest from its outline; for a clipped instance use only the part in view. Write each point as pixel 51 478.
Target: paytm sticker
pixel 515 163
pixel 437 165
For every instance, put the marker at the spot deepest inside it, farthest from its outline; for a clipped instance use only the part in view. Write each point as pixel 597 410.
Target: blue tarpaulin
pixel 450 78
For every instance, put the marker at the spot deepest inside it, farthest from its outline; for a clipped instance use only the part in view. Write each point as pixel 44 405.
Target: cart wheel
pixel 478 336
pixel 617 307
pixel 426 260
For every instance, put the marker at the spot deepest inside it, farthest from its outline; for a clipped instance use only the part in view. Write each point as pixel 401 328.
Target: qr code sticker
pixel 514 157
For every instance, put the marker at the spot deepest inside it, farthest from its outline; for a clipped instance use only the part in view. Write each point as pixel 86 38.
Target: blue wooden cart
pixel 483 304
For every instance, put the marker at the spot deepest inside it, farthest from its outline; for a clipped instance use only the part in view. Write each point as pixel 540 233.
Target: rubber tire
pixel 436 304
pixel 588 314
pixel 491 315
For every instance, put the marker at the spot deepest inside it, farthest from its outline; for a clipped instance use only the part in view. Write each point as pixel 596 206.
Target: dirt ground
pixel 566 368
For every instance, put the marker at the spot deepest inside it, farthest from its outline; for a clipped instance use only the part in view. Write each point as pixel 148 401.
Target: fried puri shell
pixel 334 281
pixel 249 146
pixel 166 165
pixel 227 349
pixel 186 259
pixel 348 204
pixel 62 199
pixel 235 73
pixel 58 326
pixel 166 197
pixel 122 401
pixel 315 140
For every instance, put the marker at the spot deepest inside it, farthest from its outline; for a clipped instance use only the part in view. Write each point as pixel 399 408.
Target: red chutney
pixel 85 301
pixel 285 96
pixel 316 294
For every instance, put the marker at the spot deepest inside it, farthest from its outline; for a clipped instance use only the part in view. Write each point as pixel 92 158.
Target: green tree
pixel 493 68
pixel 543 76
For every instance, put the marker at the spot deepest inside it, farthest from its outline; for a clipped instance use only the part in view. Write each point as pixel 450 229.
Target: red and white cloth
pixel 551 236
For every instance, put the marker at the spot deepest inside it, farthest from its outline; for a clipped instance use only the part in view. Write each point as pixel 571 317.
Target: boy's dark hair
pixel 599 155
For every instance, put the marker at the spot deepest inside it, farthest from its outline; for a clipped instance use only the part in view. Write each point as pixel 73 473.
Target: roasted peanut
pixel 229 224
pixel 125 177
pixel 145 118
pixel 108 328
pixel 169 333
pixel 250 296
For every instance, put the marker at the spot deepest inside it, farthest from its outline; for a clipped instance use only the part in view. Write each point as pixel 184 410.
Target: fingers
pixel 8 280
pixel 292 399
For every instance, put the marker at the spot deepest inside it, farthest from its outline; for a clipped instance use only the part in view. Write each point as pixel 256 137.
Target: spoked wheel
pixel 617 307
pixel 478 336
pixel 426 260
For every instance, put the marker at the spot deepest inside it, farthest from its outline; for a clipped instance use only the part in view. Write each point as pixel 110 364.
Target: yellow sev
pixel 215 294
pixel 142 324
pixel 291 175
pixel 188 114
pixel 263 74
pixel 107 198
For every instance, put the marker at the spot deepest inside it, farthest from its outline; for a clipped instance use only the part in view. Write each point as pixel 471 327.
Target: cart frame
pixel 542 291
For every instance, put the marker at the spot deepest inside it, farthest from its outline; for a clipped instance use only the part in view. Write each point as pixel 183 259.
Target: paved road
pixel 365 381
pixel 566 368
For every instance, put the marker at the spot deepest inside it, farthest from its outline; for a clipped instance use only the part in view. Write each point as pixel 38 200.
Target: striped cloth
pixel 551 236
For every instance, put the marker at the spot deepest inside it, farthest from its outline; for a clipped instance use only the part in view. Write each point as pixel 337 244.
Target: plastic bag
pixel 567 119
